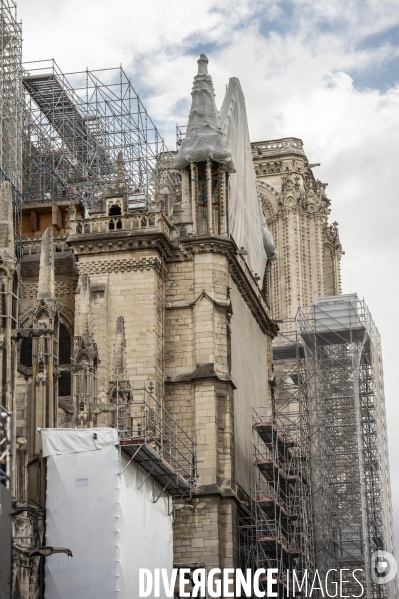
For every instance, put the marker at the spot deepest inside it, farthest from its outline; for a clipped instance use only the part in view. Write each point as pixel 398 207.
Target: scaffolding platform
pixel 154 440
pixel 269 434
pixel 270 543
pixel 275 475
pixel 288 352
pixel 336 337
pixel 282 504
pixel 353 514
pixel 156 466
pixel 78 124
pixel 274 509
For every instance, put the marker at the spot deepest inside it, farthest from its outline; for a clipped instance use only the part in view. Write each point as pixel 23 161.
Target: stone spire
pixel 120 344
pixel 204 138
pixel 85 309
pixel 120 175
pixel 46 288
pixel 6 221
pixel 119 184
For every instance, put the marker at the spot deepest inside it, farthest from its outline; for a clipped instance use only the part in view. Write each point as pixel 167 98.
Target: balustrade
pixel 104 224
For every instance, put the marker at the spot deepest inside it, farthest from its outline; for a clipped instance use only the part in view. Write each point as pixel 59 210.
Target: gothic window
pixel 115 210
pixel 64 357
pixel 25 354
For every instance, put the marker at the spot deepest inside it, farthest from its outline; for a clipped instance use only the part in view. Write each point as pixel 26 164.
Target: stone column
pixel 223 202
pixel 209 196
pixel 193 197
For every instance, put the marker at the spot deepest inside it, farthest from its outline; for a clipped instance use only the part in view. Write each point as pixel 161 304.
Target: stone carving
pixel 46 289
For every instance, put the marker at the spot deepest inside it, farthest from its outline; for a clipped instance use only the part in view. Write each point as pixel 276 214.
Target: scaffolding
pixel 350 472
pixel 11 96
pixel 11 108
pixel 76 124
pixel 154 440
pixel 278 533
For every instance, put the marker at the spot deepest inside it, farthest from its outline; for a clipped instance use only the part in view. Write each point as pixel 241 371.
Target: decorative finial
pixel 203 65
pixel 204 138
pixel 119 167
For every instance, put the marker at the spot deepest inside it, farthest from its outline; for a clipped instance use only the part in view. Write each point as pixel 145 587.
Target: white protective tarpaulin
pixel 246 220
pixel 59 441
pixel 204 138
pixel 109 521
pixel 224 138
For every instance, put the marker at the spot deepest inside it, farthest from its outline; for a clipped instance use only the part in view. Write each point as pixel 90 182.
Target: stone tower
pixel 215 309
pixel 296 209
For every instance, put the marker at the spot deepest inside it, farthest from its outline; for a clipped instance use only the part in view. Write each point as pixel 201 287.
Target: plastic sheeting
pixel 108 521
pixel 204 138
pixel 65 440
pixel 225 139
pixel 246 220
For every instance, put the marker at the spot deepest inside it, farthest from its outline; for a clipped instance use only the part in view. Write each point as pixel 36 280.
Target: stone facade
pixel 296 208
pixel 179 303
pixel 128 299
pixel 163 312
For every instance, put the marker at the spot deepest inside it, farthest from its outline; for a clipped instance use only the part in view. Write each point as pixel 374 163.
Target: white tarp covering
pixel 58 441
pixel 246 220
pixel 108 521
pixel 204 138
pixel 225 139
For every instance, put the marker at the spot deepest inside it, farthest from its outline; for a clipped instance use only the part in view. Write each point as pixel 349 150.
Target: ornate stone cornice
pixel 120 265
pixel 183 250
pixel 121 241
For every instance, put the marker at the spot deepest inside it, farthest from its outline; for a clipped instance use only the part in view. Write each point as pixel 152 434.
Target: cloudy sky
pixel 324 71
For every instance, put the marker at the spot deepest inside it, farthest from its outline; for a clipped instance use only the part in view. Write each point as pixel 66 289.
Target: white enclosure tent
pixel 111 522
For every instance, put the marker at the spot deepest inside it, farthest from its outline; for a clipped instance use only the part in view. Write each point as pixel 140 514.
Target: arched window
pixel 64 357
pixel 115 210
pixel 25 354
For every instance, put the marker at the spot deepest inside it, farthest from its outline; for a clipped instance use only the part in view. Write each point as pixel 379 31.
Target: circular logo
pixel 383 567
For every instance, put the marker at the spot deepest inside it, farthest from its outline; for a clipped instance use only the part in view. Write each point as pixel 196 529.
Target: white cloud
pixel 298 81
